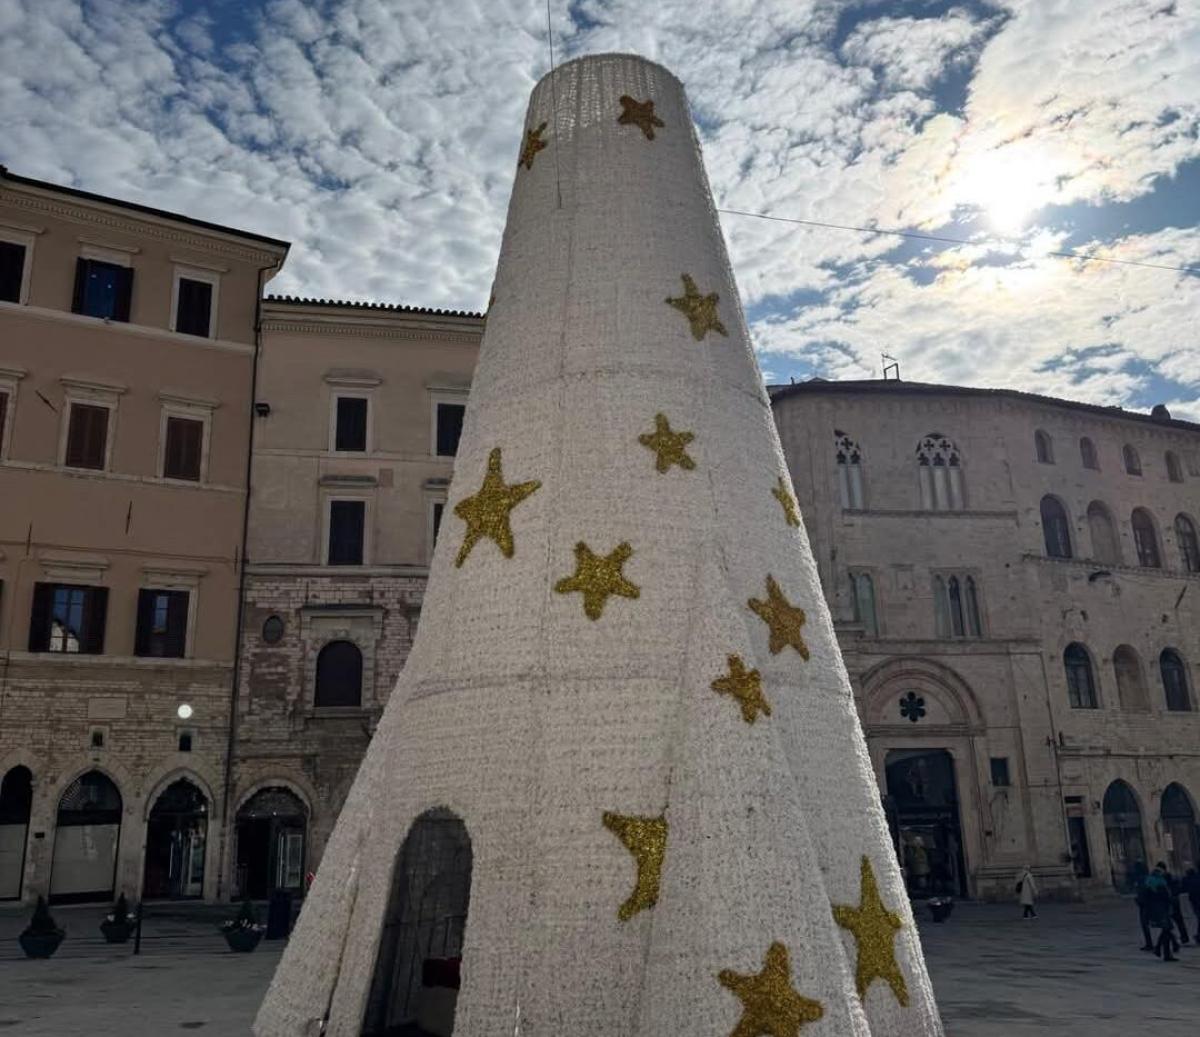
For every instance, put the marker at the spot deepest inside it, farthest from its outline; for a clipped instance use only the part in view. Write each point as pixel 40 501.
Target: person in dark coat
pixel 1158 900
pixel 1141 898
pixel 1176 888
pixel 1191 889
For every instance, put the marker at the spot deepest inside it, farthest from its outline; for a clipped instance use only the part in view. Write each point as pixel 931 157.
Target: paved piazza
pixel 1075 970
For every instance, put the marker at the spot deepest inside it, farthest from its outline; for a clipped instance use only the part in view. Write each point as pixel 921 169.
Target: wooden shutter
pixel 193 311
pixel 86 436
pixel 177 611
pixel 12 270
pixel 145 622
pixel 95 613
pixel 39 617
pixel 81 276
pixel 124 296
pixel 181 456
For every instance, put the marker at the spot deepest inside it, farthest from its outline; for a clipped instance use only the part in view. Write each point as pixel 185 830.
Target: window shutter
pixel 193 313
pixel 39 617
pixel 181 457
pixel 81 275
pixel 177 610
pixel 86 436
pixel 145 622
pixel 124 298
pixel 12 270
pixel 3 415
pixel 95 614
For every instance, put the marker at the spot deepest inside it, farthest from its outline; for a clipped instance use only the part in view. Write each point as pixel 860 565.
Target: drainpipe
pixel 231 744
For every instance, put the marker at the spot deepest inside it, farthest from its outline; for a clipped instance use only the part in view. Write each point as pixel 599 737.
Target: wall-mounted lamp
pixel 263 410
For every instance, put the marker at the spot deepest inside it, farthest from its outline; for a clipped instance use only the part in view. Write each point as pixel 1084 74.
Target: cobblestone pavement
pixel 1075 971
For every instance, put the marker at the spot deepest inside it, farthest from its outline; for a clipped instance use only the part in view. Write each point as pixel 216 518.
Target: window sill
pixel 138 661
pixel 926 513
pixel 103 473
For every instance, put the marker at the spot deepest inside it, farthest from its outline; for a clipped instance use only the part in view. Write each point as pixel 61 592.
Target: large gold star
pixel 875 928
pixel 646 839
pixel 788 502
pixel 639 113
pixel 770 1005
pixel 667 445
pixel 487 513
pixel 744 686
pixel 598 576
pixel 784 619
pixel 700 310
pixel 533 144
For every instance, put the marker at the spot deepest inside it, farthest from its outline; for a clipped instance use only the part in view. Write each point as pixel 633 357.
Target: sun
pixel 1009 187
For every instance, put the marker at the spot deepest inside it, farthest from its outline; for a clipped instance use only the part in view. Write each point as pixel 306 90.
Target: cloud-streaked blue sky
pixel 380 136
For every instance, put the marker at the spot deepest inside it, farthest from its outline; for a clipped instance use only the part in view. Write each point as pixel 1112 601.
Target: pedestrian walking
pixel 1176 888
pixel 1027 892
pixel 1158 898
pixel 1191 889
pixel 1141 897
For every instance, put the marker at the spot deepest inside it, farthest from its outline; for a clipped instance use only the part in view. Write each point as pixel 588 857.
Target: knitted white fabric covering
pixel 530 720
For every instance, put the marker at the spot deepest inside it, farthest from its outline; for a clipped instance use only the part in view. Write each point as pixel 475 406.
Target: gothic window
pixel 956 606
pixel 1044 447
pixel 1174 469
pixel 863 590
pixel 1145 540
pixel 339 675
pixel 1189 546
pixel 1133 463
pixel 1081 686
pixel 1105 545
pixel 939 470
pixel 1087 454
pixel 1175 682
pixel 1056 528
pixel 849 465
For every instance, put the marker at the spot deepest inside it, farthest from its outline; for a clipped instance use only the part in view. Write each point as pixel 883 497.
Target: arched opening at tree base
pixel 414 990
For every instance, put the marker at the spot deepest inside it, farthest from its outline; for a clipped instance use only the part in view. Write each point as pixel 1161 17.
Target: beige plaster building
pixel 127 348
pixel 360 409
pixel 1016 581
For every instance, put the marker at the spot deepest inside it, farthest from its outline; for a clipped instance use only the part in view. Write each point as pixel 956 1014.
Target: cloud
pixel 381 138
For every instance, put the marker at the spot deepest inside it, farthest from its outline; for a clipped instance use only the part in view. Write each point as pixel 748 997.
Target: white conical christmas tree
pixel 626 683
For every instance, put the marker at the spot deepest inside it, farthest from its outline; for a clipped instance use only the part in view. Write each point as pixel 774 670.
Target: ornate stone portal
pixel 648 840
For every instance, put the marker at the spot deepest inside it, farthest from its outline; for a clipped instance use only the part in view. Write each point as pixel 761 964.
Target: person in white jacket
pixel 1027 892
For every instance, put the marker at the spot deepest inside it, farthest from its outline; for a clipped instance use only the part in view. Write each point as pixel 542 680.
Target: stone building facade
pixel 127 344
pixel 1016 584
pixel 360 408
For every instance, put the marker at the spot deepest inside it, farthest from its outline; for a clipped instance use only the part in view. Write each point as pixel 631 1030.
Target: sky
pixel 380 138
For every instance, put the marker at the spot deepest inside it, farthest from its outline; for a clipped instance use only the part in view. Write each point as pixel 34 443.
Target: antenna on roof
pixel 890 370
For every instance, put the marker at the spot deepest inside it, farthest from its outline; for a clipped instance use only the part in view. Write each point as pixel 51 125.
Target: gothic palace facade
pixel 189 678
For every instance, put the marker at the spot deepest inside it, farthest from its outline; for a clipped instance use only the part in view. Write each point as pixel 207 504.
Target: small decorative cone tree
pixel 626 683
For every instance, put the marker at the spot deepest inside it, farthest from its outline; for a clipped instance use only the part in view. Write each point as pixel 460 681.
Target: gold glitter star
pixel 533 144
pixel 875 928
pixel 700 310
pixel 780 493
pixel 668 445
pixel 598 576
pixel 639 113
pixel 487 513
pixel 646 839
pixel 770 1005
pixel 784 619
pixel 745 687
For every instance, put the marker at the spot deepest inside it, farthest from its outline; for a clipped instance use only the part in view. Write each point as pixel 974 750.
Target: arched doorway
pixel 924 796
pixel 1123 829
pixel 86 836
pixel 271 829
pixel 16 797
pixel 420 950
pixel 1179 828
pixel 176 835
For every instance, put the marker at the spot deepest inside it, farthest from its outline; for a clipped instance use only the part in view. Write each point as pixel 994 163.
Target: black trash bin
pixel 279 915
